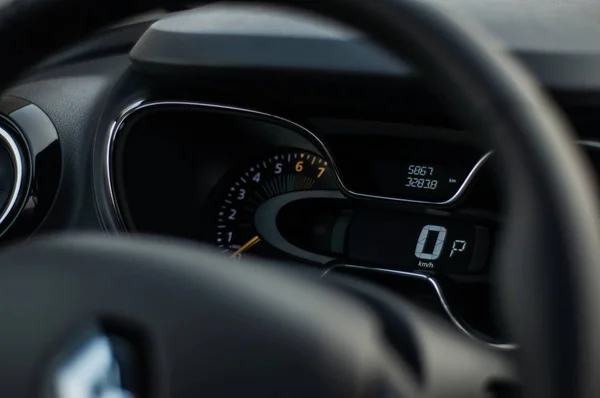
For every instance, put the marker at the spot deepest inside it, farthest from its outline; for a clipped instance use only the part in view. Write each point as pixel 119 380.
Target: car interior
pixel 341 198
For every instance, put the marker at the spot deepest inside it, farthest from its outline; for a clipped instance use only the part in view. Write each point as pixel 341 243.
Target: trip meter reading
pixel 283 172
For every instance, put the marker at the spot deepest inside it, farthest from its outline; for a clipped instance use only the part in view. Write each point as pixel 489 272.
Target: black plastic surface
pixel 108 42
pixel 43 164
pixel 73 97
pixel 554 39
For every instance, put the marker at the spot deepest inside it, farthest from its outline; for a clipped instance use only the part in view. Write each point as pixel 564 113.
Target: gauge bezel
pixel 118 125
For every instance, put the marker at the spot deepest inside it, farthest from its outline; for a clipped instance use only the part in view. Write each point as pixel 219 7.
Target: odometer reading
pixel 424 183
pixel 421 177
pixel 256 184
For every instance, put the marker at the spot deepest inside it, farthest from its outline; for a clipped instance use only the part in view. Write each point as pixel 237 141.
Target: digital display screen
pixel 406 165
pixel 417 242
pixel 419 180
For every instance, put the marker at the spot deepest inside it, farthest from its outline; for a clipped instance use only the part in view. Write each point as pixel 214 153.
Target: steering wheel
pixel 196 325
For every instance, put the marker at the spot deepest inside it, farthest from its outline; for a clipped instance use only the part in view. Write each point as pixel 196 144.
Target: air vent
pixel 14 175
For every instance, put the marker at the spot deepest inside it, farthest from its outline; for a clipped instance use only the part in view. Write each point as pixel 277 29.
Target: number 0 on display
pixel 439 242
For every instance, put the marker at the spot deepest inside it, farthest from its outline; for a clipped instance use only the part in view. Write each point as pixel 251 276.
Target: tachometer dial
pixel 281 173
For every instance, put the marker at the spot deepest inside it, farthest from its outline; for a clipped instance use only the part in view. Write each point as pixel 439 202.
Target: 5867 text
pixel 416 170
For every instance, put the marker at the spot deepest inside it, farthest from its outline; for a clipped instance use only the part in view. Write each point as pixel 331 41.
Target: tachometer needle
pixel 246 246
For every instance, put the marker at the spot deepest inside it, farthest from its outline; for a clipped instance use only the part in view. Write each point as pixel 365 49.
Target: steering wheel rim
pixel 552 237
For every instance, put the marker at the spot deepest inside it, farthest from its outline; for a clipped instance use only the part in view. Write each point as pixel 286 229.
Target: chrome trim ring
pixel 117 126
pixel 18 173
pixel 114 129
pixel 440 294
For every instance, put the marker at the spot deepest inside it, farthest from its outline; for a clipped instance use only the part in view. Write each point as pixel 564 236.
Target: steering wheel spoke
pixel 201 325
pixel 444 363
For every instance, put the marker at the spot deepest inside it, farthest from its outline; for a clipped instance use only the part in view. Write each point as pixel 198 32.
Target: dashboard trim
pixel 17 157
pixel 139 105
pixel 114 129
pixel 440 294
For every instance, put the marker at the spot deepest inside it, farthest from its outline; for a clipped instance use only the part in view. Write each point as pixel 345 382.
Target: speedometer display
pixel 283 172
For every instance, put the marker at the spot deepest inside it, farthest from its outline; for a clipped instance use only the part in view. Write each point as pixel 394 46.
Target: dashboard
pixel 284 138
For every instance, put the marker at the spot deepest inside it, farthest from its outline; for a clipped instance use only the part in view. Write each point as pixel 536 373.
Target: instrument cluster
pixel 341 196
pixel 398 189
